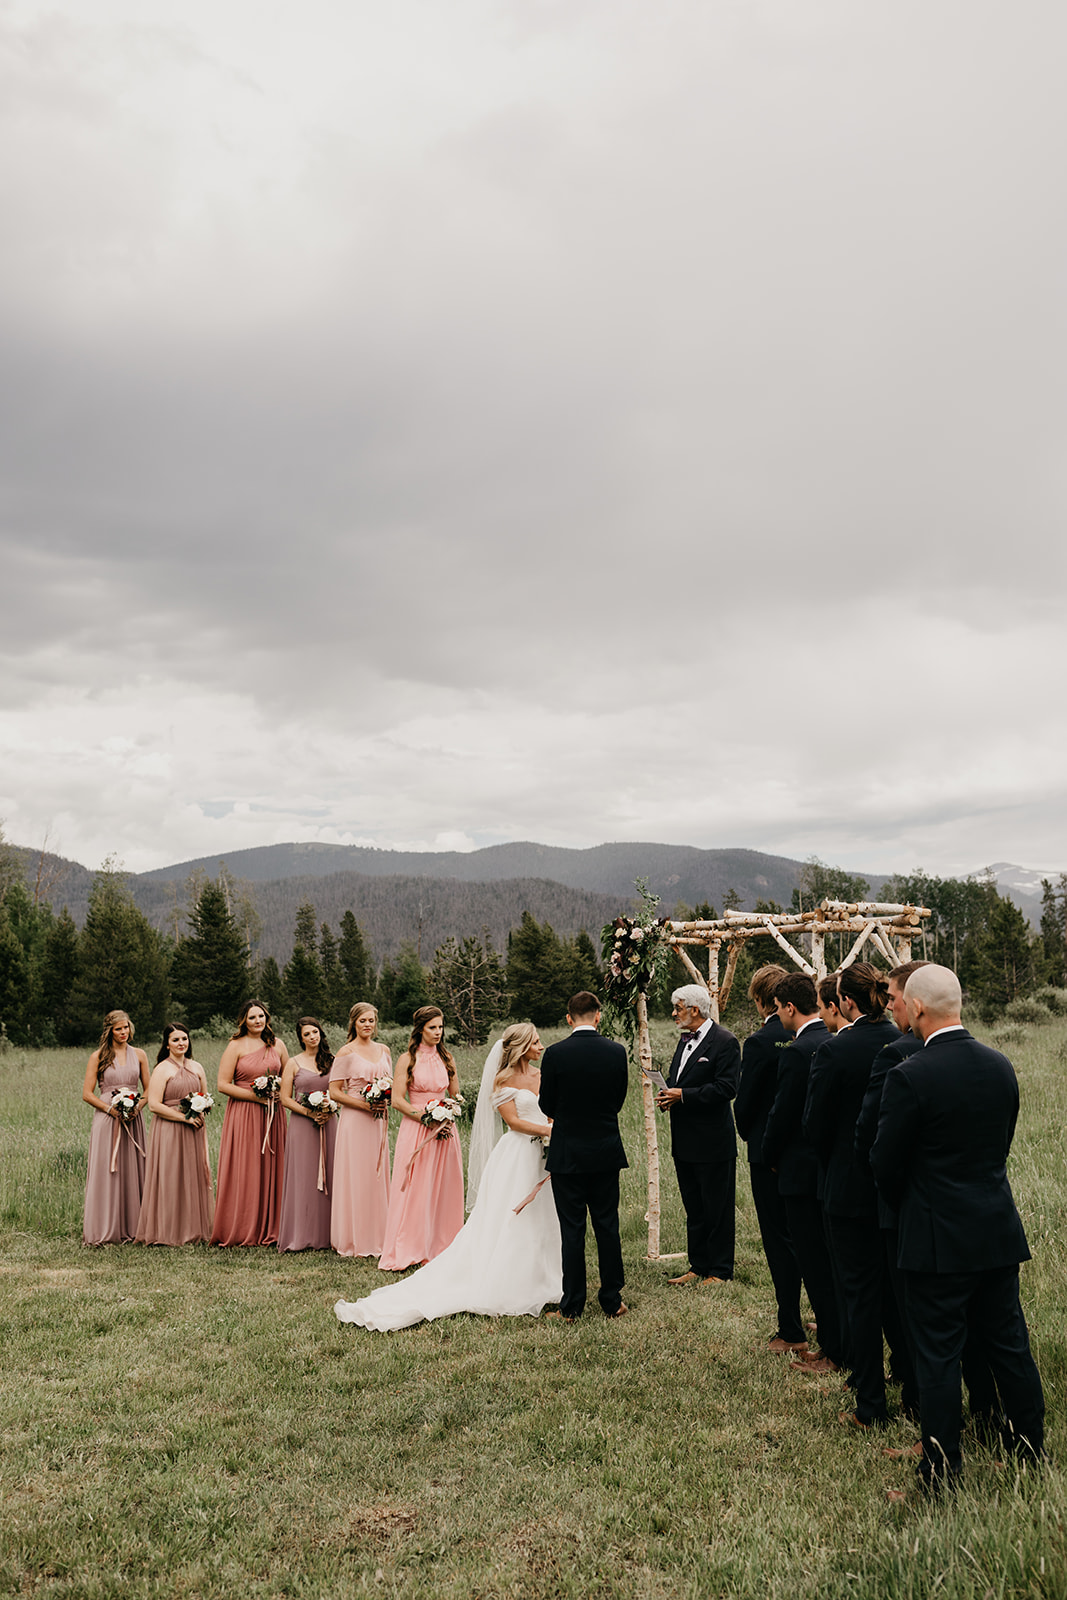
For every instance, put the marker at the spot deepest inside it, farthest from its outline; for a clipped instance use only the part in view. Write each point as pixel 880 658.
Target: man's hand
pixel 667 1098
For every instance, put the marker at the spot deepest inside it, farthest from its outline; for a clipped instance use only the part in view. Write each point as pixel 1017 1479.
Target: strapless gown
pixel 361 1165
pixel 113 1199
pixel 500 1264
pixel 248 1203
pixel 426 1213
pixel 178 1202
pixel 305 1216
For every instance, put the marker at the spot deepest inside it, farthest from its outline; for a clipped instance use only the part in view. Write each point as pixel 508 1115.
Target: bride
pixel 500 1264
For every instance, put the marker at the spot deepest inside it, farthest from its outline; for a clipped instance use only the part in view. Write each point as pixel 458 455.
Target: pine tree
pixel 468 982
pixel 411 989
pixel 14 983
pixel 302 978
pixel 538 972
pixel 209 971
pixel 267 985
pixel 333 1006
pixel 354 960
pixel 58 975
pixel 997 963
pixel 385 993
pixel 1054 929
pixel 120 961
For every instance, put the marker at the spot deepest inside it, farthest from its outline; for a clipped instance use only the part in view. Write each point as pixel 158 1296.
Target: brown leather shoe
pixel 778 1346
pixel 815 1365
pixel 706 1282
pixel 851 1420
pixel 620 1313
pixel 687 1277
pixel 557 1316
pixel 915 1449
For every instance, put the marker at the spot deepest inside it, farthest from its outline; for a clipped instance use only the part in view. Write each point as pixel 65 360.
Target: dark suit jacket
pixel 583 1086
pixel 760 1056
pixel 836 1083
pixel 702 1124
pixel 904 1045
pixel 944 1131
pixel 784 1144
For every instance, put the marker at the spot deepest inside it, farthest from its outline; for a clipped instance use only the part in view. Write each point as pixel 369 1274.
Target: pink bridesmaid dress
pixel 113 1197
pixel 426 1199
pixel 309 1163
pixel 178 1202
pixel 361 1164
pixel 251 1156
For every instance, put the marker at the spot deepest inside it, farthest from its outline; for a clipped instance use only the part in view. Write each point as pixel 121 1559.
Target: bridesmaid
pixel 252 1152
pixel 426 1198
pixel 178 1202
pixel 115 1180
pixel 361 1170
pixel 307 1184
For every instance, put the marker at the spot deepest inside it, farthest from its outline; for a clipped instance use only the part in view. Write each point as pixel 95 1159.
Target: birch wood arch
pixel 873 925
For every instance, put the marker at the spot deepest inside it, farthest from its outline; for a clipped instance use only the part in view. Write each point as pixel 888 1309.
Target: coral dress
pixel 361 1166
pixel 179 1199
pixel 251 1156
pixel 113 1197
pixel 309 1163
pixel 426 1198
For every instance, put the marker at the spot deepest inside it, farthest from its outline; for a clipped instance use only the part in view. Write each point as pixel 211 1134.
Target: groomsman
pixel 583 1086
pixel 760 1056
pixel 791 1155
pixel 945 1128
pixel 700 1085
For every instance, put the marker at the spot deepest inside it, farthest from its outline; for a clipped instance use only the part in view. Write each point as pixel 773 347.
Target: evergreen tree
pixel 302 978
pixel 333 1007
pixel 411 990
pixel 538 972
pixel 354 960
pixel 385 993
pixel 267 985
pixel 209 972
pixel 1054 929
pixel 587 972
pixel 58 975
pixel 14 983
pixel 997 963
pixel 120 961
pixel 468 982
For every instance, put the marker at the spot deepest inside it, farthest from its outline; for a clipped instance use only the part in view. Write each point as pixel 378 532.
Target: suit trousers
pixel 940 1307
pixel 597 1193
pixel 778 1248
pixel 707 1189
pixel 857 1254
pixel 982 1397
pixel 803 1213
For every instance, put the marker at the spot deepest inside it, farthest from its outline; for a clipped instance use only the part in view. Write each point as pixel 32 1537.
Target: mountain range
pixel 425 896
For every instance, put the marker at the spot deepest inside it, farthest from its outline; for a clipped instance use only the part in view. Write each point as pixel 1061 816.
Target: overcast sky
pixel 430 424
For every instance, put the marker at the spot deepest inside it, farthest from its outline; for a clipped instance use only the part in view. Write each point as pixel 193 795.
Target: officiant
pixel 700 1085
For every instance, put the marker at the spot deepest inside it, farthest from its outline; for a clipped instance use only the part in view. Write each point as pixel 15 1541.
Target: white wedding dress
pixel 499 1264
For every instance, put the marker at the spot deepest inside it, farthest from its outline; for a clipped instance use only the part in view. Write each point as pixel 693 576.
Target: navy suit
pixel 945 1127
pixel 704 1147
pixel 791 1153
pixel 755 1096
pixel 836 1085
pixel 583 1086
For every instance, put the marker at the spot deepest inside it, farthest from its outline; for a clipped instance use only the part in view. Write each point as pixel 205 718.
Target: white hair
pixel 695 995
pixel 938 988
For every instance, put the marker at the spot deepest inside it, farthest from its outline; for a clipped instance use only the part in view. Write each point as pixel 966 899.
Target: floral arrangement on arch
pixel 632 948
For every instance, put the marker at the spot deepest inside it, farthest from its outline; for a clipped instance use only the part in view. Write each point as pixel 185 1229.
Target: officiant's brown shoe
pixel 686 1277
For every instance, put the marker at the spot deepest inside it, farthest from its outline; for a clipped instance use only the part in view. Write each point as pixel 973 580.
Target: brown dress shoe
pixel 557 1316
pixel 778 1346
pixel 815 1365
pixel 704 1282
pixel 621 1312
pixel 686 1277
pixel 851 1420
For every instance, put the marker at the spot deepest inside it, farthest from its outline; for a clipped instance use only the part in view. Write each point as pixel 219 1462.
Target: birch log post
pixel 644 1056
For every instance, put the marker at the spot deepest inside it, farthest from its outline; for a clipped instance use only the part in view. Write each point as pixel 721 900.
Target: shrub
pixel 1055 999
pixel 1007 1034
pixel 1027 1010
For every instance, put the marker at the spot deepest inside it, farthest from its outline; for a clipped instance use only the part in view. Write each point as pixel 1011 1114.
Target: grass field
pixel 196 1423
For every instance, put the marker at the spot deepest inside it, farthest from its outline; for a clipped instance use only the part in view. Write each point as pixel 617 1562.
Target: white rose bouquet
pixel 441 1115
pixel 267 1086
pixel 195 1105
pixel 125 1101
pixel 319 1100
pixel 379 1095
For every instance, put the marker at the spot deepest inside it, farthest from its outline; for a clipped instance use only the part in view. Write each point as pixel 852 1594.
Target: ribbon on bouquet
pixel 207 1163
pixel 116 1137
pixel 534 1192
pixel 430 1137
pixel 383 1142
pixel 322 1159
pixel 269 1108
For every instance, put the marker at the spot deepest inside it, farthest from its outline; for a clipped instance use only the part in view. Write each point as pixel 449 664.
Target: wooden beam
pixel 859 944
pixel 728 976
pixel 644 1056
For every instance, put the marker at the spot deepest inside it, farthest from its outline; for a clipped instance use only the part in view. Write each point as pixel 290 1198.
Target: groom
pixel 583 1086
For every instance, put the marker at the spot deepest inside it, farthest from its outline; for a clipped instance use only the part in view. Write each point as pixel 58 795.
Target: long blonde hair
pixel 516 1044
pixel 106 1046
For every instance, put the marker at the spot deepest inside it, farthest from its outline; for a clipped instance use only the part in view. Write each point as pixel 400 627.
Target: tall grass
pixel 195 1422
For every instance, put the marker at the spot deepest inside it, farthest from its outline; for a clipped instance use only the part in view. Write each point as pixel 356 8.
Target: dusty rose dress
pixel 113 1199
pixel 179 1200
pixel 248 1202
pixel 305 1215
pixel 361 1165
pixel 426 1198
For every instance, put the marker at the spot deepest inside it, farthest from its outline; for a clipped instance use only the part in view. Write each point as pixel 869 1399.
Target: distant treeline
pixel 57 981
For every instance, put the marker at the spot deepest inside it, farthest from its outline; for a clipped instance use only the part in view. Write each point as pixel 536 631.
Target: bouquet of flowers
pixel 379 1094
pixel 195 1105
pixel 319 1100
pixel 633 948
pixel 124 1101
pixel 441 1114
pixel 266 1086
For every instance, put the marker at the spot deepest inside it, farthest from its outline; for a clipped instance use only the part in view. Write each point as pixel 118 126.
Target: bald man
pixel 945 1127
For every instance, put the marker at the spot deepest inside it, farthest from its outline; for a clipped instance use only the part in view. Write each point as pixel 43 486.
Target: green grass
pixel 196 1423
